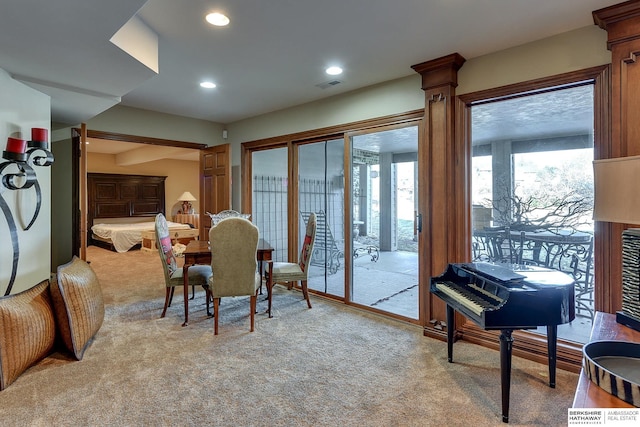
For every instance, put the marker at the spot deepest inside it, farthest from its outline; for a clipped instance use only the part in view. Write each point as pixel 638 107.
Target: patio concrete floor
pixel 391 284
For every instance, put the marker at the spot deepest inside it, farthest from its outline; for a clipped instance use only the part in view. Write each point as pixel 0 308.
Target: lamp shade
pixel 186 197
pixel 616 198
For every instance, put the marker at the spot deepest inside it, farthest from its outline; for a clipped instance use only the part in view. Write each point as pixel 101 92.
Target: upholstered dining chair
pixel 290 272
pixel 229 213
pixel 198 274
pixel 234 247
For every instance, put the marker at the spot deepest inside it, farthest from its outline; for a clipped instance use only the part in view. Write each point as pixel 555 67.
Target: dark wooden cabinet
pixel 113 195
pixel 123 196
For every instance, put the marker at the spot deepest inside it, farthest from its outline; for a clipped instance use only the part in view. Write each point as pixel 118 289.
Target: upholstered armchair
pixel 198 274
pixel 289 272
pixel 234 246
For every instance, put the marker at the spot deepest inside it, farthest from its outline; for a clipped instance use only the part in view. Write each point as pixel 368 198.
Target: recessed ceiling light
pixel 208 85
pixel 217 19
pixel 333 71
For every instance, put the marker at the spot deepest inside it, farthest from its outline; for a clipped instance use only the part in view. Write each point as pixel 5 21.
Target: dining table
pixel 199 252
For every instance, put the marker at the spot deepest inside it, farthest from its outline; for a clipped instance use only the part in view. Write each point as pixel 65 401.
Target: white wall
pixel 574 50
pixel 134 121
pixel 396 96
pixel 23 108
pixel 571 51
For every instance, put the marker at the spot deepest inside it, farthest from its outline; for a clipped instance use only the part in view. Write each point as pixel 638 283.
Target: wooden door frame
pixel 77 197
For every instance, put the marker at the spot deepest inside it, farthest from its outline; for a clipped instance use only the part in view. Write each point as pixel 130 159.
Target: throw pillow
pixel 79 307
pixel 27 331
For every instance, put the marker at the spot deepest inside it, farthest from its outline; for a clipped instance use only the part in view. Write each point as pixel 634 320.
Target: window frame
pixel 533 345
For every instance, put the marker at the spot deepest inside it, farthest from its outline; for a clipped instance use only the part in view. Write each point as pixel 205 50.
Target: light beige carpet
pixel 328 366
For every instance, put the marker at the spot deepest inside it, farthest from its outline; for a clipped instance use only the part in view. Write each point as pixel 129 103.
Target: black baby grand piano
pixel 507 297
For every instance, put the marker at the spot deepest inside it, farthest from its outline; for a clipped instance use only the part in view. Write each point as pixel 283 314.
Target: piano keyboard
pixel 471 296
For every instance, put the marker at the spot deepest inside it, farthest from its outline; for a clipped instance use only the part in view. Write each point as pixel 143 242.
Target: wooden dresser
pixel 588 394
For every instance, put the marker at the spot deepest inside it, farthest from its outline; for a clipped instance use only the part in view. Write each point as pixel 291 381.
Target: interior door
pixel 215 184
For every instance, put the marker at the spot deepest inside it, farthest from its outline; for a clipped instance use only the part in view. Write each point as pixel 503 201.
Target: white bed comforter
pixel 126 236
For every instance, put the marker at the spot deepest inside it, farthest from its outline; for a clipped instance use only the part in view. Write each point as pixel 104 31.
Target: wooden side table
pixel 588 394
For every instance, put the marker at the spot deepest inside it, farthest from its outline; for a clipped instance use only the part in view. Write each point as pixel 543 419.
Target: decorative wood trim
pixel 440 72
pixel 112 136
pixel 292 200
pixel 622 23
pixel 246 172
pixel 331 132
pixel 444 226
pixel 527 345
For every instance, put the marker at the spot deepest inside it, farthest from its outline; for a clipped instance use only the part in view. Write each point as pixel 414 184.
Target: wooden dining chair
pixel 198 274
pixel 291 272
pixel 234 248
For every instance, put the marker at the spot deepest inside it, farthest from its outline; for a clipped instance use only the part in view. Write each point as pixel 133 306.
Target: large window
pixel 532 186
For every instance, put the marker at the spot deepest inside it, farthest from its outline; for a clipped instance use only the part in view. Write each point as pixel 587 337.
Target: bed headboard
pixel 124 196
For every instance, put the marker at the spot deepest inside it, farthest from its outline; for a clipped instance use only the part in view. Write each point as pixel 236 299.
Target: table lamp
pixel 186 200
pixel 617 200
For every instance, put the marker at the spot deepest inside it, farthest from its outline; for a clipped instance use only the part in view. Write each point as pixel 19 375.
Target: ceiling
pixel 271 56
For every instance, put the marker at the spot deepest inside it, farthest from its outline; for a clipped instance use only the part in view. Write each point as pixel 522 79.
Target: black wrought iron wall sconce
pixel 17 173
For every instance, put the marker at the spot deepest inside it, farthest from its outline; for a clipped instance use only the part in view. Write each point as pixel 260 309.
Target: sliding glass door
pixel 321 191
pixel 363 189
pixel 384 238
pixel 269 204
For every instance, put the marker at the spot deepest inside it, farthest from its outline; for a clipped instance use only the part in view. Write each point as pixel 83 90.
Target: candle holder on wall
pixel 17 173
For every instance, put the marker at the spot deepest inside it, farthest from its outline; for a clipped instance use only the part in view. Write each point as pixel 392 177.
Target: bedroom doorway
pixel 127 154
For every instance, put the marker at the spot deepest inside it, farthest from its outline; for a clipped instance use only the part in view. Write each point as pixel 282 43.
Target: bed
pixel 125 236
pixel 122 207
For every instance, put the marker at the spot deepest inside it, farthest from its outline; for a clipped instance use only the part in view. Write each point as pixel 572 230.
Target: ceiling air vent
pixel 328 84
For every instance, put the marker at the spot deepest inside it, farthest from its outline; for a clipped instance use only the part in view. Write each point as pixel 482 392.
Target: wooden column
pixel 441 181
pixel 622 23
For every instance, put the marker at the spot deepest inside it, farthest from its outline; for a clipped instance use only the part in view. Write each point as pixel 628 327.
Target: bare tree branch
pixel 542 211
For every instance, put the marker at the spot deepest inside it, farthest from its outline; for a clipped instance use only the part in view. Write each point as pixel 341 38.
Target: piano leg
pixel 450 328
pixel 552 344
pixel 506 345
